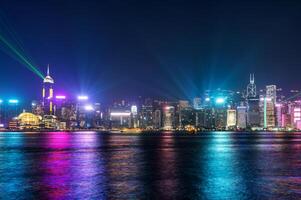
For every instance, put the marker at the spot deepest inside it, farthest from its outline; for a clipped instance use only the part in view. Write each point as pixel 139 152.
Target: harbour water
pixel 90 165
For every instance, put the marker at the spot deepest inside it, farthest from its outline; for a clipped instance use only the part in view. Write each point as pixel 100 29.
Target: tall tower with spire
pixel 251 88
pixel 47 93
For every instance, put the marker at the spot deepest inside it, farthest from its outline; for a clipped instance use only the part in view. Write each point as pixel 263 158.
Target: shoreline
pixel 147 131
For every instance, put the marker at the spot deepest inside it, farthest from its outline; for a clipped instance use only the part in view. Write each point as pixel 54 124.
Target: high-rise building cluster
pixel 250 109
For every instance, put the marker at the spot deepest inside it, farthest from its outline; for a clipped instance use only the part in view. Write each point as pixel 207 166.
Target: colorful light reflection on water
pixel 92 165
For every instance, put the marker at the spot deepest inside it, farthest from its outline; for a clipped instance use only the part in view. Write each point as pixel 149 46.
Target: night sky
pixel 169 49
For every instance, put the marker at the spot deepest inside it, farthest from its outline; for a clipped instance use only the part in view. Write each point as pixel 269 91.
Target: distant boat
pixel 126 130
pixel 115 131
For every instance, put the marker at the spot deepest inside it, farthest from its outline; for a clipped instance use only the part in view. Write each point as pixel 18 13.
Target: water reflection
pixel 88 177
pixel 223 178
pixel 160 175
pixel 122 162
pixel 103 166
pixel 167 184
pixel 13 164
pixel 55 167
pixel 279 166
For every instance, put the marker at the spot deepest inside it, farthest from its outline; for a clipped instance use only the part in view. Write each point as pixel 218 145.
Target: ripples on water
pixel 91 165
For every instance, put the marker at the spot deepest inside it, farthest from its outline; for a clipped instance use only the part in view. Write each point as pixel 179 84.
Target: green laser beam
pixel 20 56
pixel 18 45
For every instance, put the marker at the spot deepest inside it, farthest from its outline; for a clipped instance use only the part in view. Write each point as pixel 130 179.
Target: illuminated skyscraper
pixel 231 118
pixel 279 115
pixel 251 88
pixel 296 115
pixel 146 114
pixel 267 110
pixel 134 114
pixel 168 117
pixel 47 93
pixel 253 112
pixel 120 119
pixel 241 117
pixel 209 118
pixel 186 114
pixel 271 92
pixel 37 108
pixel 197 103
pixel 220 115
pixel 157 119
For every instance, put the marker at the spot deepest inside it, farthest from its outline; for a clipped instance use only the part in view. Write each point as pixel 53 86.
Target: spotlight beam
pixel 22 58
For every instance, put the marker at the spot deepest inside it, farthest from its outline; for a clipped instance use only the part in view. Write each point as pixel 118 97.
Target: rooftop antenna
pixel 48 70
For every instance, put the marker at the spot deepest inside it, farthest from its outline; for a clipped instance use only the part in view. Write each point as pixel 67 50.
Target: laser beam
pixel 22 58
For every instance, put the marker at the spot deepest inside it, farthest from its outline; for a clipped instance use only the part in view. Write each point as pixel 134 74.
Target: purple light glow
pixel 89 108
pixel 81 98
pixel 119 114
pixel 60 97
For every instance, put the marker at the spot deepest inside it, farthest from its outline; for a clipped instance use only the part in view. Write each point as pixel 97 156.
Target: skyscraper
pixel 47 93
pixel 279 115
pixel 220 115
pixel 186 114
pixel 157 119
pixel 231 118
pixel 241 117
pixel 296 116
pixel 267 112
pixel 168 117
pixel 251 88
pixel 146 114
pixel 253 112
pixel 134 114
pixel 197 103
pixel 271 92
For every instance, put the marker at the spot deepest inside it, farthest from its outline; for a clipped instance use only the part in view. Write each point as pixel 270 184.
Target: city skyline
pixel 243 90
pixel 266 109
pixel 103 49
pixel 150 99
